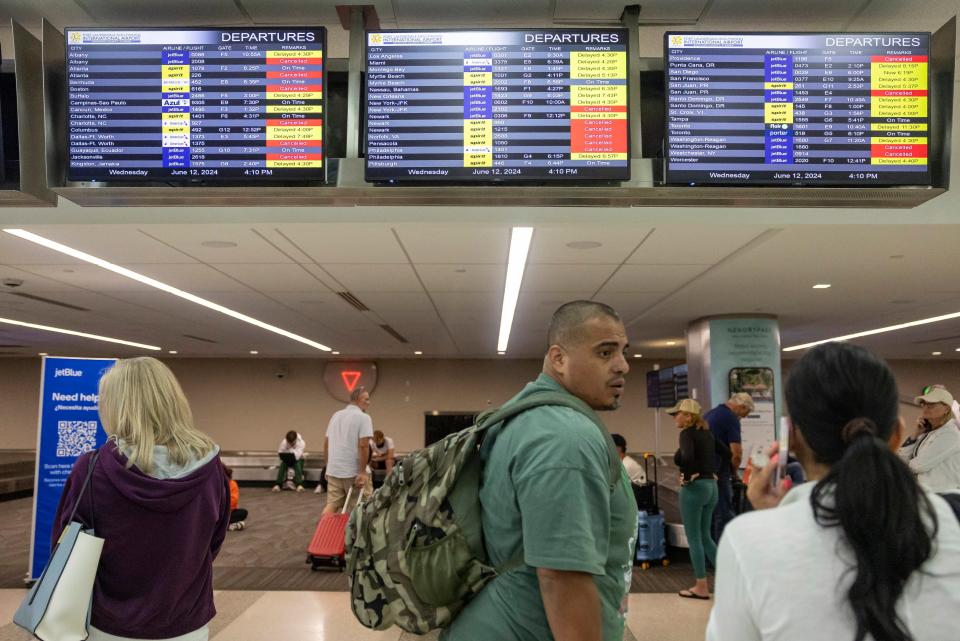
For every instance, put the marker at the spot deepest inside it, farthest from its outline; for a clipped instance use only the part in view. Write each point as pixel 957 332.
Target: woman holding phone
pixel 862 551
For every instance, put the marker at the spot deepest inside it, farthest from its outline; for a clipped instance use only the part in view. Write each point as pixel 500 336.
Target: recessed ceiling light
pixel 417 353
pixel 172 351
pixel 335 353
pixel 638 355
pixel 520 238
pixel 71 332
pixel 584 244
pixel 879 330
pixel 502 353
pixel 45 354
pixel 218 244
pixel 957 350
pixel 253 351
pixel 671 342
pixel 822 286
pixel 152 282
pixel 936 353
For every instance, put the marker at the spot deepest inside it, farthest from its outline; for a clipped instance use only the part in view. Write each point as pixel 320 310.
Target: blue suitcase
pixel 651 539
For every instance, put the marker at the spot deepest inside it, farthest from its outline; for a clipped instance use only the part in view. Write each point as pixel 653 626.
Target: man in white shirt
pixel 634 469
pixel 933 451
pixel 346 452
pixel 292 445
pixel 381 452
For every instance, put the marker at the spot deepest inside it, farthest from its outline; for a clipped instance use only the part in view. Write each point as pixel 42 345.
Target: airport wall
pixel 244 406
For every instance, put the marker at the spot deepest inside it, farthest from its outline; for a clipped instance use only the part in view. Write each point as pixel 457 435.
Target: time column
pixel 175 108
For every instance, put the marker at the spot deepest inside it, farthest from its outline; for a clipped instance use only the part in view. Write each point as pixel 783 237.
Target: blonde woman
pixel 696 459
pixel 160 498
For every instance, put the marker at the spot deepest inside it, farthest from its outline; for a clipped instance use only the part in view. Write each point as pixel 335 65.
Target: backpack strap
pixel 495 421
pixel 954 500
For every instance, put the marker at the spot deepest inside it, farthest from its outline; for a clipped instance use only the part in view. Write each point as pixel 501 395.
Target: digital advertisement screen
pixel 525 104
pixel 797 108
pixel 196 104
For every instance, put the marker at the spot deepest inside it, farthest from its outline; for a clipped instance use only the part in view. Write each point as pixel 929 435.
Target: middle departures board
pixel 523 104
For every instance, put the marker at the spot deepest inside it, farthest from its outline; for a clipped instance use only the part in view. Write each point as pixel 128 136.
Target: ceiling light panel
pixel 161 286
pixel 71 332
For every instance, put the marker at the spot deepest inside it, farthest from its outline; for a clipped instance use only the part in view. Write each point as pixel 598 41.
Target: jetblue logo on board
pixel 67 371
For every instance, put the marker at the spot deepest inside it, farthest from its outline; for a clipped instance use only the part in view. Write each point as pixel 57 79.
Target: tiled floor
pixel 326 616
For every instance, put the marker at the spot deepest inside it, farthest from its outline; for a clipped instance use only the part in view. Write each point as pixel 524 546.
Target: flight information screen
pixel 497 105
pixel 196 104
pixel 797 108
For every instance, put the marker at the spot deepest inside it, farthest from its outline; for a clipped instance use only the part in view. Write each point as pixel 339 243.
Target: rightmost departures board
pixel 839 109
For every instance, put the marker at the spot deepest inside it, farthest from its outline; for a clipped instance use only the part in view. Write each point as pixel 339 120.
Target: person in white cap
pixel 933 450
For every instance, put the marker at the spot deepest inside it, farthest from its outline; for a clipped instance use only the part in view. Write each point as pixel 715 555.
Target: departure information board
pixel 797 108
pixel 196 104
pixel 530 104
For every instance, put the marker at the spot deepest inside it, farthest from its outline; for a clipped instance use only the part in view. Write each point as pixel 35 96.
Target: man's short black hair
pixel 291 437
pixel 570 318
pixel 619 441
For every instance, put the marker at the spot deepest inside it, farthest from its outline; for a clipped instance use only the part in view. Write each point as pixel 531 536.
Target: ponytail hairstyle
pixel 843 400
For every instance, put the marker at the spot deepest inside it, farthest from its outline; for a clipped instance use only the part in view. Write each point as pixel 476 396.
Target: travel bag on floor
pixel 647 494
pixel 651 539
pixel 327 549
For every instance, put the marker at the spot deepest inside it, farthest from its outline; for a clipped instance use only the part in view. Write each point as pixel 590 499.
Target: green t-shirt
pixel 546 485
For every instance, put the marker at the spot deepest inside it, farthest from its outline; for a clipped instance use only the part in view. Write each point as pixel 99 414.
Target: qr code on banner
pixel 76 437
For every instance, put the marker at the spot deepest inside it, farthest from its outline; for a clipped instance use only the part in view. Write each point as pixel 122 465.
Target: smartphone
pixel 784 452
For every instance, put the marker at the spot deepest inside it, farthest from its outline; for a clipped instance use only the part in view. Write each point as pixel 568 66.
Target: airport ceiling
pixel 435 276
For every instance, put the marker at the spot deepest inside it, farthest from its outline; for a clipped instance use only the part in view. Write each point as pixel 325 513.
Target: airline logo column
pixel 778 109
pixel 478 110
pixel 898 110
pixel 175 108
pixel 598 106
pixel 294 99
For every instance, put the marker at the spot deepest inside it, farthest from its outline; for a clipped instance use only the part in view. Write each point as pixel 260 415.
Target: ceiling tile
pixel 472 278
pixel 550 244
pixel 378 277
pixel 564 278
pixel 650 278
pixel 249 247
pixel 676 245
pixel 339 243
pixel 463 243
pixel 285 277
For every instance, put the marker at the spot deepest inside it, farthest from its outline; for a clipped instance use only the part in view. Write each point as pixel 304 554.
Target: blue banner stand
pixel 68 426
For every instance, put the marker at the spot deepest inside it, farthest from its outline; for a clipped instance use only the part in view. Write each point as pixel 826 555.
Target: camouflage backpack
pixel 415 552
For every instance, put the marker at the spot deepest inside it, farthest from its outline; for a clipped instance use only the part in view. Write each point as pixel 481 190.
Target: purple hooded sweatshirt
pixel 155 579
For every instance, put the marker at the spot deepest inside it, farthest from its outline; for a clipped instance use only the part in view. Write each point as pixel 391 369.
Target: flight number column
pixel 175 108
pixel 778 109
pixel 478 109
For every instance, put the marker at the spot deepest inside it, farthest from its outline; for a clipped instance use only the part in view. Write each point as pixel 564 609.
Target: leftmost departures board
pixel 196 104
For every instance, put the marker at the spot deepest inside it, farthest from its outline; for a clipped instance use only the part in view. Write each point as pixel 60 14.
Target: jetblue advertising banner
pixel 69 426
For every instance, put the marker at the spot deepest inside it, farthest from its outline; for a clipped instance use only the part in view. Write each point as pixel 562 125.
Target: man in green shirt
pixel 546 487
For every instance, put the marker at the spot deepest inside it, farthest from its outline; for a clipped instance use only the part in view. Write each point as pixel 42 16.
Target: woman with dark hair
pixel 860 553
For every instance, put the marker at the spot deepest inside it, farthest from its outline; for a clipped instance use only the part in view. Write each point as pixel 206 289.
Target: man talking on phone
pixel 547 491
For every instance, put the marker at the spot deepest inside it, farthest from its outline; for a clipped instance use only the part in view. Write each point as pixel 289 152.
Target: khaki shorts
pixel 337 492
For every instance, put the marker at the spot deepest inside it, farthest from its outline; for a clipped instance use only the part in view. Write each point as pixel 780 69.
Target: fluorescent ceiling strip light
pixel 519 248
pixel 60 330
pixel 146 280
pixel 871 332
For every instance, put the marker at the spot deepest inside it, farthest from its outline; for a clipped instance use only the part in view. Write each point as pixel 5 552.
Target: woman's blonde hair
pixel 142 404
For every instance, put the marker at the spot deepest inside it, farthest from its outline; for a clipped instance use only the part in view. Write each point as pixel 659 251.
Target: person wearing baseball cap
pixel 696 459
pixel 724 421
pixel 933 450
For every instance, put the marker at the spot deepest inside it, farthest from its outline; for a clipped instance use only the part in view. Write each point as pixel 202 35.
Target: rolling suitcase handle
pixel 656 478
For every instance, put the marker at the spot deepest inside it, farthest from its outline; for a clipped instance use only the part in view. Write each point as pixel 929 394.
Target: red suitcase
pixel 328 547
